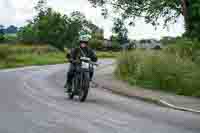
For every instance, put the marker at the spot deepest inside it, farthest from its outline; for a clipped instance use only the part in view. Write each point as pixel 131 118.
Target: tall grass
pixel 24 55
pixel 160 70
pixel 107 54
pixel 185 49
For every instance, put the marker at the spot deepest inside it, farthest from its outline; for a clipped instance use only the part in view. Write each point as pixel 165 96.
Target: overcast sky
pixel 17 12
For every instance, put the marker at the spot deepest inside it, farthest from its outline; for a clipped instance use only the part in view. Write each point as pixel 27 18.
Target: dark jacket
pixel 76 53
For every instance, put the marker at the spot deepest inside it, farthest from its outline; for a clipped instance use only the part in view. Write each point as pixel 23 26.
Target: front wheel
pixel 72 93
pixel 85 85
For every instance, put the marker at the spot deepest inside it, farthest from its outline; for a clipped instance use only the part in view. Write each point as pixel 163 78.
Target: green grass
pixel 160 70
pixel 107 54
pixel 12 56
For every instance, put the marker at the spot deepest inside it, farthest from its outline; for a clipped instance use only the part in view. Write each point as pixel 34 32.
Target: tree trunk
pixel 185 12
pixel 191 20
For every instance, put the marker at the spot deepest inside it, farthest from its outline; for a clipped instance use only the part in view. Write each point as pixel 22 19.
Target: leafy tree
pixel 76 23
pixel 115 42
pixel 120 30
pixel 47 26
pixel 153 10
pixel 2 33
pixel 11 29
pixel 51 27
pixel 96 44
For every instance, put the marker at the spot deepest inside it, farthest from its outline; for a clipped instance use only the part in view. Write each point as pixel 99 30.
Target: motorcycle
pixel 81 80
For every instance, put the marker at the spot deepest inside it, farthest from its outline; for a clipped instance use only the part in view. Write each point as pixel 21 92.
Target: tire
pixel 71 94
pixel 85 84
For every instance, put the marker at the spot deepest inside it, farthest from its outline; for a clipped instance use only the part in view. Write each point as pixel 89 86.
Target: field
pixel 160 70
pixel 21 55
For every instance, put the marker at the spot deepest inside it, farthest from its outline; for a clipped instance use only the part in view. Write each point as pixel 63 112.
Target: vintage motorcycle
pixel 81 80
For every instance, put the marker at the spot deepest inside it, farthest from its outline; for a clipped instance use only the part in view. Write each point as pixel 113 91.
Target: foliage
pixel 20 55
pixel 185 48
pixel 97 40
pixel 158 70
pixel 11 29
pixel 120 30
pixel 96 44
pixel 26 34
pixel 25 55
pixel 168 40
pixel 116 45
pixel 48 27
pixel 51 27
pixel 107 54
pixel 2 38
pixel 10 38
pixel 154 10
pixel 2 33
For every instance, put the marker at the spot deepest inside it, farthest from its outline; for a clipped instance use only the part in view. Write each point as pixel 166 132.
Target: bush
pixel 11 38
pixel 4 52
pixel 115 46
pixel 159 70
pixel 96 44
pixel 2 38
pixel 107 54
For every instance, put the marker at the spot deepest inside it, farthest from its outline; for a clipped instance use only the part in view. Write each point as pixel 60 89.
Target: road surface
pixel 32 101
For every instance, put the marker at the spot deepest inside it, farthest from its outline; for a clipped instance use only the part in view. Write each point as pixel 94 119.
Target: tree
pixel 51 27
pixel 115 42
pixel 47 27
pixel 2 33
pixel 11 29
pixel 97 39
pixel 153 10
pixel 120 30
pixel 27 34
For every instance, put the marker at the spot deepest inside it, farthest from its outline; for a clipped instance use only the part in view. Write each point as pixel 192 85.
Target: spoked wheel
pixel 71 94
pixel 85 84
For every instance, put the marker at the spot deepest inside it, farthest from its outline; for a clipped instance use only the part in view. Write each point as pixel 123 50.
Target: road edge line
pixel 147 99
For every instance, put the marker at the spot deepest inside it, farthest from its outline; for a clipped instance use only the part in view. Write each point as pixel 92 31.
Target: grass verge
pixel 12 56
pixel 160 70
pixel 20 55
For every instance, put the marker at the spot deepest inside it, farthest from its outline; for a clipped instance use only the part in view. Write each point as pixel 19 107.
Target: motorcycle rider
pixel 82 51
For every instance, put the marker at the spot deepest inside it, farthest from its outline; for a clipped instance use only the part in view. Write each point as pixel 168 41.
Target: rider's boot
pixel 68 88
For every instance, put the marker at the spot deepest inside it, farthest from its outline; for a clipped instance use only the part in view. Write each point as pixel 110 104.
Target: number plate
pixel 85 65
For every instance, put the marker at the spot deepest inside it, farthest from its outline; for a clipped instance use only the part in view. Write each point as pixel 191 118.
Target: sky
pixel 17 12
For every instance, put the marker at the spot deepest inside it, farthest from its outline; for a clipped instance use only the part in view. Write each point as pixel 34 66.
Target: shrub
pixel 4 52
pixel 107 54
pixel 10 38
pixel 115 46
pixel 96 44
pixel 2 38
pixel 159 70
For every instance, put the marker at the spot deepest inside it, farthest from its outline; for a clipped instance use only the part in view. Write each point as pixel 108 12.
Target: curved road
pixel 32 101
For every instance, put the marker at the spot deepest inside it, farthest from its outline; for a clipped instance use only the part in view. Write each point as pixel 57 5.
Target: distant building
pixel 107 43
pixel 148 44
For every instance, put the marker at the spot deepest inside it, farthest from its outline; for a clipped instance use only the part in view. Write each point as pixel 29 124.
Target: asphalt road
pixel 32 101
